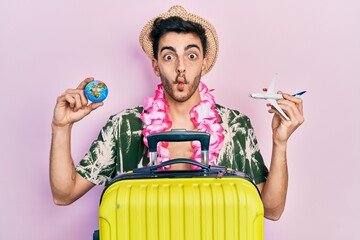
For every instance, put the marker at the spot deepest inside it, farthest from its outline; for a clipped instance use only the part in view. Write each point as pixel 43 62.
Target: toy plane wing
pixel 268 93
pixel 277 107
pixel 271 96
pixel 271 88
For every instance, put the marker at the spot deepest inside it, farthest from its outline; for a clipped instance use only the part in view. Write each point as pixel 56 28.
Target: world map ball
pixel 96 91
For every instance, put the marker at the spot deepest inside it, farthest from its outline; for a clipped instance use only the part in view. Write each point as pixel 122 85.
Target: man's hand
pixel 274 190
pixel 282 128
pixel 66 184
pixel 72 106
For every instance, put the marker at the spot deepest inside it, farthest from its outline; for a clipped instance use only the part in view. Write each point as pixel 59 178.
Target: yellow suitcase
pixel 210 203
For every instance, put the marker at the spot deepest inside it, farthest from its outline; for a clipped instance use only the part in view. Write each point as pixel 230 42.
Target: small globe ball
pixel 96 91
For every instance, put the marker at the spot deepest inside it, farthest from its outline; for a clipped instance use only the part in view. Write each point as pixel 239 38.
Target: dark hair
pixel 178 25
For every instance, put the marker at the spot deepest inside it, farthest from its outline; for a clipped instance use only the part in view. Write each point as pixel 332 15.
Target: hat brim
pixel 178 11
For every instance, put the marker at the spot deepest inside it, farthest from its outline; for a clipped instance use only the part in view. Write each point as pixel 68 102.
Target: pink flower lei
pixel 204 116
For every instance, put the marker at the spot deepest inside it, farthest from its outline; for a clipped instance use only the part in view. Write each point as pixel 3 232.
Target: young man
pixel 183 47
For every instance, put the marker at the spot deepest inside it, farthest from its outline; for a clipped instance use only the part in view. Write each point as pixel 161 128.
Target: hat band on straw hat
pixel 212 42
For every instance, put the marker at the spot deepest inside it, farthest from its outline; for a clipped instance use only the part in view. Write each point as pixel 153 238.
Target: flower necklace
pixel 204 116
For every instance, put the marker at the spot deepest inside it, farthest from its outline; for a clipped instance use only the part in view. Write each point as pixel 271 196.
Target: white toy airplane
pixel 271 96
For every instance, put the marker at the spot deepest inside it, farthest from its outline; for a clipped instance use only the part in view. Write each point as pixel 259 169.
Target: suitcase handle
pixel 179 160
pixel 179 135
pixel 207 168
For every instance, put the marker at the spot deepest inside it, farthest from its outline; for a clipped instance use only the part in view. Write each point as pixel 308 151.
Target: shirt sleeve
pixel 255 166
pixel 98 164
pixel 241 151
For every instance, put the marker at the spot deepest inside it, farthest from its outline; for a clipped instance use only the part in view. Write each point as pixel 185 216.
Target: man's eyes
pixel 168 57
pixel 192 56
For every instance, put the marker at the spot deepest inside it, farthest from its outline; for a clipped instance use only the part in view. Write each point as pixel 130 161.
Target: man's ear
pixel 155 66
pixel 204 66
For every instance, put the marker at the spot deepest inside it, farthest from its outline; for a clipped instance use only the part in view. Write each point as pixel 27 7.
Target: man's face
pixel 180 65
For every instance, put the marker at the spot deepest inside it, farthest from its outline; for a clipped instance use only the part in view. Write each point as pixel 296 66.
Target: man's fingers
pixel 70 100
pixel 78 102
pixel 83 83
pixel 94 106
pixel 79 95
pixel 293 110
pixel 275 111
pixel 292 106
pixel 298 101
pixel 72 105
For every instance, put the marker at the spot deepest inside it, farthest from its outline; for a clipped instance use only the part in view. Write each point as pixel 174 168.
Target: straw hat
pixel 179 11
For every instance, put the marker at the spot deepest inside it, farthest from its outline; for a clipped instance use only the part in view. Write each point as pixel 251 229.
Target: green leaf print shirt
pixel 119 147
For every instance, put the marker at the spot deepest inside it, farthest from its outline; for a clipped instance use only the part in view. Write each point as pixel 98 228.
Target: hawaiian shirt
pixel 120 148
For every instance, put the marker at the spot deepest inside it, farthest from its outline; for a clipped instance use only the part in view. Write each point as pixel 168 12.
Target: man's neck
pixel 179 111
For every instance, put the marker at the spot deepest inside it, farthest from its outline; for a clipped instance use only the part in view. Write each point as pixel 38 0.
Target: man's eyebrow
pixel 168 48
pixel 186 48
pixel 192 46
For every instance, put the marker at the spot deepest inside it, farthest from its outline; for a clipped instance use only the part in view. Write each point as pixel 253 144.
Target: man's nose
pixel 181 66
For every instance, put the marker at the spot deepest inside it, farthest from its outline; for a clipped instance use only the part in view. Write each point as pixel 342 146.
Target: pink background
pixel 49 46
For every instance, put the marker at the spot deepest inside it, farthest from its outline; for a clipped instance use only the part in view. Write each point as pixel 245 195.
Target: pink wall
pixel 49 46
